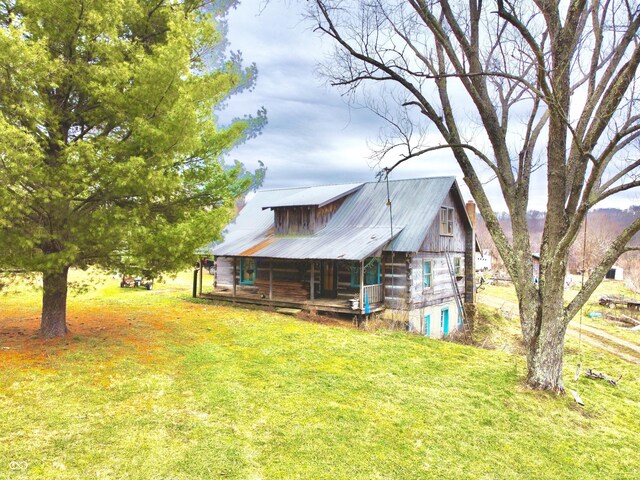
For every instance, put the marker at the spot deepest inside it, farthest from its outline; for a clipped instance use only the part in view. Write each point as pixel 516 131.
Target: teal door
pixel 444 321
pixel 427 325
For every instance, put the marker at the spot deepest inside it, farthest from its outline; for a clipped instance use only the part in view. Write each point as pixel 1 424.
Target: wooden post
pixel 312 281
pixel 361 285
pixel 201 260
pixel 271 280
pixel 195 281
pixel 235 269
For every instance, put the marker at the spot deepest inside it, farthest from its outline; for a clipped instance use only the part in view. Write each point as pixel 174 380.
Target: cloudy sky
pixel 313 136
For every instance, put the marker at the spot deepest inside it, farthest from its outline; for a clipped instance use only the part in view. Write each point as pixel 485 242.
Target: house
pixel 402 248
pixel 483 260
pixel 615 273
pixel 535 262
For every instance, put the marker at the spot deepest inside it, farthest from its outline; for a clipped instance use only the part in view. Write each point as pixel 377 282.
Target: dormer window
pixel 306 210
pixel 446 221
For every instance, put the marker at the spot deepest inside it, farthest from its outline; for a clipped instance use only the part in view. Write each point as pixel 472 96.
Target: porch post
pixel 271 279
pixel 235 269
pixel 361 285
pixel 195 281
pixel 312 281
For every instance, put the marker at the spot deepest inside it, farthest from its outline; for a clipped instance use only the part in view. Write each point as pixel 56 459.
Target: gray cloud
pixel 313 136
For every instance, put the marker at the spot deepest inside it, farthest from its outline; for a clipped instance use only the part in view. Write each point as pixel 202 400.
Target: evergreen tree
pixel 110 154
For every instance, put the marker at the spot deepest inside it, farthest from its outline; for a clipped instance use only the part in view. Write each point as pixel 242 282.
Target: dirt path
pixel 592 336
pixel 607 347
pixel 635 348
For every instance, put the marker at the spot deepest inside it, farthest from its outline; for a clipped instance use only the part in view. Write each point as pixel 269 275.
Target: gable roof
pixel 360 227
pixel 313 196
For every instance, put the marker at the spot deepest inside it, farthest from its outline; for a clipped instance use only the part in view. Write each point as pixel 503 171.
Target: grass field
pixel 154 385
pixel 507 293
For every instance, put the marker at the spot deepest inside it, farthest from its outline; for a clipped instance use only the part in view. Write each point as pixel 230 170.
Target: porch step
pixel 288 311
pixel 347 296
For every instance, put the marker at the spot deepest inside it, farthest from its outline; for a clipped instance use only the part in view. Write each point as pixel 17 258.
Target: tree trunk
pixel 544 358
pixel 54 304
pixel 544 324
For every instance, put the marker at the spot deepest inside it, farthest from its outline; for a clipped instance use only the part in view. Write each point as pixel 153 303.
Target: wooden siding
pixel 403 280
pixel 303 220
pixel 223 267
pixel 434 242
pixel 395 276
pixel 441 289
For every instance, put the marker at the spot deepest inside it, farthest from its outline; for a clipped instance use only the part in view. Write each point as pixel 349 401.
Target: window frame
pixel 426 261
pixel 427 325
pixel 457 266
pixel 444 311
pixel 446 221
pixel 244 281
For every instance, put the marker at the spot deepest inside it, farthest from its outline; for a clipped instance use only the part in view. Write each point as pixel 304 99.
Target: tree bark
pixel 54 304
pixel 544 357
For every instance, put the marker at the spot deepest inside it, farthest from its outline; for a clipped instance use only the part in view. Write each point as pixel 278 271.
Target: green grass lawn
pixel 153 385
pixel 607 287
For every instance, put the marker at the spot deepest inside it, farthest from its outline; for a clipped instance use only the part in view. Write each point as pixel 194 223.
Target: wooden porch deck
pixel 331 305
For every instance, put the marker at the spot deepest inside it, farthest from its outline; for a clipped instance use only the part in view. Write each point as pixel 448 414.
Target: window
pixel 372 273
pixel 446 221
pixel 247 271
pixel 427 325
pixel 444 321
pixel 426 273
pixel 457 266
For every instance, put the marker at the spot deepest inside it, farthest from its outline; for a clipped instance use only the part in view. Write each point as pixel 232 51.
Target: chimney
pixel 470 207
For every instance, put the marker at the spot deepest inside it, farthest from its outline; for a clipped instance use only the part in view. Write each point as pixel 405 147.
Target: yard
pixel 155 385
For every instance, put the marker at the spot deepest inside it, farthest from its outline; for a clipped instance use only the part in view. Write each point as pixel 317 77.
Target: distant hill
pixel 602 226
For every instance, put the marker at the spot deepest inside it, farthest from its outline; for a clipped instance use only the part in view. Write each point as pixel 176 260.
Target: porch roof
pixel 345 243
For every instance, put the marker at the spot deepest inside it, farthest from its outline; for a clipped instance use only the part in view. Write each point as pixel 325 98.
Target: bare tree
pixel 592 242
pixel 514 90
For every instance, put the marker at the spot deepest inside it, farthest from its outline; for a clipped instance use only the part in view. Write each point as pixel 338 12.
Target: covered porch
pixel 318 285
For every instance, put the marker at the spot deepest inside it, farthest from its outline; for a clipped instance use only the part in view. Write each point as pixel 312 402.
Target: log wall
pixel 290 278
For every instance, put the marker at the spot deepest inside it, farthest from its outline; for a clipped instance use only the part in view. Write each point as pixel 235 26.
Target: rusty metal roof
pixel 343 244
pixel 360 227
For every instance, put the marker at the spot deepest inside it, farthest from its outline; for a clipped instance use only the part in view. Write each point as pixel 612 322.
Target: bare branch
pixel 617 248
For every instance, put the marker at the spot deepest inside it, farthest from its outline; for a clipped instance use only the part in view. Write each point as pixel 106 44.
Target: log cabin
pixel 403 249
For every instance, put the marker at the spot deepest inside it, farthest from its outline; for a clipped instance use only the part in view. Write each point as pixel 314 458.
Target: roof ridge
pixel 275 189
pixel 439 177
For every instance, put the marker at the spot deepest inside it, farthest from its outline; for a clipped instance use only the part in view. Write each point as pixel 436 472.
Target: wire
pixel 393 291
pixel 584 255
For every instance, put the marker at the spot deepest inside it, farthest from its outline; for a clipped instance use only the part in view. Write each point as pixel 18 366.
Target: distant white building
pixel 615 273
pixel 483 260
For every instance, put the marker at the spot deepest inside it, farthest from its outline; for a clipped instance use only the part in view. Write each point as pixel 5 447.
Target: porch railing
pixel 375 293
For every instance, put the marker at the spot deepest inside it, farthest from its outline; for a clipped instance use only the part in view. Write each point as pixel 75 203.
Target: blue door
pixel 427 325
pixel 444 321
